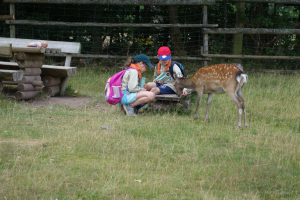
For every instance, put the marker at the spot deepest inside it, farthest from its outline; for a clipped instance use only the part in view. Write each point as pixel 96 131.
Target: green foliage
pixel 133 40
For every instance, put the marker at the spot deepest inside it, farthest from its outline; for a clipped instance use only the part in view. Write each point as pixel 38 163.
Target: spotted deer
pixel 216 79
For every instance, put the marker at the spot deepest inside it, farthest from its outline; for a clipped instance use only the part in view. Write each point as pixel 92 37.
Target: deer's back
pixel 213 78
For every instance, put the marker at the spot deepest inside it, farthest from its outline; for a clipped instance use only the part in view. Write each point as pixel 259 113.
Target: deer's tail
pixel 241 78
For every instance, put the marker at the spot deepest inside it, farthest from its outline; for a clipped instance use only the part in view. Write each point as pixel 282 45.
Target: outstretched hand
pixel 184 93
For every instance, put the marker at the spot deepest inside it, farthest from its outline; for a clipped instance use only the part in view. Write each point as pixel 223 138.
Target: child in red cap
pixel 165 67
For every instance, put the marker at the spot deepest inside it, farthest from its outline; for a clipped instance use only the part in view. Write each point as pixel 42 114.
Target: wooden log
pixel 91 24
pixel 31 64
pixel 30 56
pixel 51 81
pixel 251 31
pixel 1 86
pixel 37 83
pixel 167 97
pixel 31 71
pixel 28 87
pixel 26 95
pixel 252 57
pixel 51 91
pixel 11 75
pixel 30 79
pixel 28 49
pixel 50 70
pixel 7 17
pixel 126 2
pixel 5 50
pixel 11 82
pixel 9 65
pixel 63 86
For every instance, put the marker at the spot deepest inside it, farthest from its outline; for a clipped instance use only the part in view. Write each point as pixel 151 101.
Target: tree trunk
pixel 176 41
pixel 98 42
pixel 225 26
pixel 259 13
pixel 298 36
pixel 195 35
pixel 238 38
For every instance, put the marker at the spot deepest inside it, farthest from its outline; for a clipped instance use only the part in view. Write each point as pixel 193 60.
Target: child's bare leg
pixel 143 97
pixel 155 90
pixel 149 85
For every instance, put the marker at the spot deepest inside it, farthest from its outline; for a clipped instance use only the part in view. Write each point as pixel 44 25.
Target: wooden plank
pixel 28 49
pixel 11 75
pixel 272 71
pixel 266 31
pixel 167 97
pixel 7 17
pixel 6 49
pixel 58 71
pixel 47 70
pixel 30 56
pixel 9 65
pixel 269 1
pixel 66 47
pixel 124 57
pixel 90 24
pixel 252 57
pixel 119 2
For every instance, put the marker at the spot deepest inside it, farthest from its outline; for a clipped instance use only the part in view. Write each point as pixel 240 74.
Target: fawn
pixel 216 79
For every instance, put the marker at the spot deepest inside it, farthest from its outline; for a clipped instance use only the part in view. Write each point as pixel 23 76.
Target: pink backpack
pixel 113 93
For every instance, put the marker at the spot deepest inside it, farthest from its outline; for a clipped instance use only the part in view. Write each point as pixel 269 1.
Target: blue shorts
pixel 164 89
pixel 130 97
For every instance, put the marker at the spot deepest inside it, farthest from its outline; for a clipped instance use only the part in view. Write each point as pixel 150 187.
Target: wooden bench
pixel 55 48
pixel 166 101
pixel 8 75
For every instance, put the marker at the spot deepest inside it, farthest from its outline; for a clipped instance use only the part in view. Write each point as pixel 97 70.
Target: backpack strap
pixel 171 68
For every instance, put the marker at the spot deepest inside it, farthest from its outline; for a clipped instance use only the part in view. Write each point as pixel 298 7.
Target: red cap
pixel 164 53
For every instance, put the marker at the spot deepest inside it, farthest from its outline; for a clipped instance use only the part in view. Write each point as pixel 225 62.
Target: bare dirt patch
pixel 66 101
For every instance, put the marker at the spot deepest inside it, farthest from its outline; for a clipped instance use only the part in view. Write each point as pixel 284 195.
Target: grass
pixel 158 155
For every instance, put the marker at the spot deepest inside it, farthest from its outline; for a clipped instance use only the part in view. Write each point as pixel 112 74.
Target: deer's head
pixel 178 86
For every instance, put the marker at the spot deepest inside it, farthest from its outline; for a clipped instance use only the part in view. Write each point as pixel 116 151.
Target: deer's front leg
pixel 208 103
pixel 200 93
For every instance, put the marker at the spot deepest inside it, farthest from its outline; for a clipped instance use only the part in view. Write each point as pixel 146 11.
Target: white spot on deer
pixel 240 111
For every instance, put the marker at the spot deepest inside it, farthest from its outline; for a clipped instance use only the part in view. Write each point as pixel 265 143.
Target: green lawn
pixel 157 155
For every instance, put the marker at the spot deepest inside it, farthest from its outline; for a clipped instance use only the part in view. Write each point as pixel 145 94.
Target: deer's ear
pixel 185 74
pixel 175 76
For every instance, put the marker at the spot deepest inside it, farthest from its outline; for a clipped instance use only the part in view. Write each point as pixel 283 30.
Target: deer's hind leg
pixel 238 101
pixel 209 98
pixel 200 94
pixel 239 94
